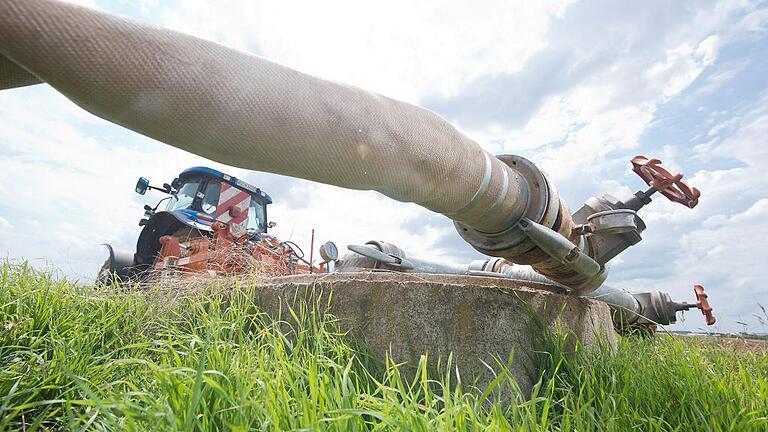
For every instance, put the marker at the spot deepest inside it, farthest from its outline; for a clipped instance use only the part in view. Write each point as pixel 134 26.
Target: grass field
pixel 81 358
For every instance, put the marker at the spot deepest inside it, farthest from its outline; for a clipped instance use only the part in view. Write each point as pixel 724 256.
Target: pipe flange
pixel 542 206
pixel 656 307
pixel 553 204
pixel 538 186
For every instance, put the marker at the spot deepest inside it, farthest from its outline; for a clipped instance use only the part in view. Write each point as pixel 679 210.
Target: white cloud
pixel 719 243
pixel 683 65
pixel 398 48
pixel 352 217
pixel 147 5
pixel 5 225
pixel 721 255
pixel 591 121
pixel 731 188
pixel 588 118
pixel 756 21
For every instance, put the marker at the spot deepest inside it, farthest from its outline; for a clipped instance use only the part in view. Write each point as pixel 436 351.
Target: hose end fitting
pixel 538 202
pixel 538 233
pixel 561 250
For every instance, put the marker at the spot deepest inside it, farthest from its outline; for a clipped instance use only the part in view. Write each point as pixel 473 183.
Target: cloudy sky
pixel 579 87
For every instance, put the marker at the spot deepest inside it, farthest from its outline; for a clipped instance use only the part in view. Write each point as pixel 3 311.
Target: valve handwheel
pixel 703 304
pixel 668 184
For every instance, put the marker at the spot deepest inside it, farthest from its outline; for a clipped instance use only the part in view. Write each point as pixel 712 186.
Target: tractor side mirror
pixel 271 224
pixel 142 185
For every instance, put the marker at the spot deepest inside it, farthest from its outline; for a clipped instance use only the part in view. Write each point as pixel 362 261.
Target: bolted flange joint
pixel 540 203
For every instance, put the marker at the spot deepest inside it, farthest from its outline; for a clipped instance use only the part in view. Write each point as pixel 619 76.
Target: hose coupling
pixel 538 202
pixel 566 253
pixel 546 246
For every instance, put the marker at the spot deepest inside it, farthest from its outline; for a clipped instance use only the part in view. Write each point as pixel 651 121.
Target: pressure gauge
pixel 329 252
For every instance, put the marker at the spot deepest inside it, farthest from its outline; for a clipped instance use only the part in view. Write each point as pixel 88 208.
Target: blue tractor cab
pixel 196 199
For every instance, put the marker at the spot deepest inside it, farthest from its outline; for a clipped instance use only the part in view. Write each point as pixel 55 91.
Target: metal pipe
pixel 561 250
pixel 627 309
pixel 312 252
pixel 624 305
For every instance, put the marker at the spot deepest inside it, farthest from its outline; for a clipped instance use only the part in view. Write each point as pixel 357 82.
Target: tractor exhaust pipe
pixel 245 111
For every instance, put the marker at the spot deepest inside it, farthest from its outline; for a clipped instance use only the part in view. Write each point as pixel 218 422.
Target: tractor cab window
pixel 211 196
pixel 256 216
pixel 184 197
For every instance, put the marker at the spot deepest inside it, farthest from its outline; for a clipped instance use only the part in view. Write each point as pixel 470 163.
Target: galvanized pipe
pixel 625 306
pixel 623 303
pixel 382 255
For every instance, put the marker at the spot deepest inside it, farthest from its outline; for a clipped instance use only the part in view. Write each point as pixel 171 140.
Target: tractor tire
pixel 105 277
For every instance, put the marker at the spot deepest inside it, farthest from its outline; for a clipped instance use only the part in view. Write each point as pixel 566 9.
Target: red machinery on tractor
pixel 213 223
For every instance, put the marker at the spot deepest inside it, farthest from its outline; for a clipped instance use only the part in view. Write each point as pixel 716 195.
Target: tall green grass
pixel 82 358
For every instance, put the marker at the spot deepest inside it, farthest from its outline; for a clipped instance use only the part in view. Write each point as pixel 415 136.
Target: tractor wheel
pixel 105 277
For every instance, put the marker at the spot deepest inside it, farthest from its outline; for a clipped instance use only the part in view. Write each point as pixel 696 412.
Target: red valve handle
pixel 703 304
pixel 669 185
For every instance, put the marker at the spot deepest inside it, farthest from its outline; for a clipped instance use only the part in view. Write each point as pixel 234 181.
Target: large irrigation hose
pixel 245 111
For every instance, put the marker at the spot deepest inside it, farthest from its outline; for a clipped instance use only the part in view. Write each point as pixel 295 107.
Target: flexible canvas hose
pixel 13 75
pixel 245 111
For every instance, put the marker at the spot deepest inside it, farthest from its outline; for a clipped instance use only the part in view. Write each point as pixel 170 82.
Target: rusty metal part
pixel 703 304
pixel 668 184
pixel 561 249
pixel 544 207
pixel 312 252
pixel 609 226
pixel 226 254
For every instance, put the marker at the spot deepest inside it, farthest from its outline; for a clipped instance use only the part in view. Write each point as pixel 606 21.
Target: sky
pixel 578 87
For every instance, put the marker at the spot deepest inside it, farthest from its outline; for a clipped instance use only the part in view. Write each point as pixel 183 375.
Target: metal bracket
pixel 565 252
pixel 375 254
pixel 612 222
pixel 608 227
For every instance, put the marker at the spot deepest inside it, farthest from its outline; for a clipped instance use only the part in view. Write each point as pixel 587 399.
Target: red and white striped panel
pixel 231 197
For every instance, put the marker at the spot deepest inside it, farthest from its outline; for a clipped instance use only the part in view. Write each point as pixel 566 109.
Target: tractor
pixel 212 223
